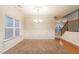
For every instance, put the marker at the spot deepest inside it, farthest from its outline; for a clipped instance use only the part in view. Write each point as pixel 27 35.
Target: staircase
pixel 70 26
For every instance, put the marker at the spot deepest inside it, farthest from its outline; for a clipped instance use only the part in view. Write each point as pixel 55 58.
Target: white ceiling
pixel 48 11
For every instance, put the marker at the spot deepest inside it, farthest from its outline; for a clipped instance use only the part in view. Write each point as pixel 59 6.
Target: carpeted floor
pixel 37 46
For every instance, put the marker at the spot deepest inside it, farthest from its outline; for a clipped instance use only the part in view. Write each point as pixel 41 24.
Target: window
pixel 17 32
pixel 8 21
pixel 12 28
pixel 17 28
pixel 8 27
pixel 8 33
pixel 17 23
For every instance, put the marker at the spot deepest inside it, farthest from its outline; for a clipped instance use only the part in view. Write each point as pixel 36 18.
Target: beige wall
pixel 1 29
pixel 15 13
pixel 44 30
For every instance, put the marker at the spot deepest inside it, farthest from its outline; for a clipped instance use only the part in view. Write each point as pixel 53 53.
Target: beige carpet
pixel 37 46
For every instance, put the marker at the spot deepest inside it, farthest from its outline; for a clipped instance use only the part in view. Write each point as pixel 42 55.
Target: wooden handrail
pixel 64 28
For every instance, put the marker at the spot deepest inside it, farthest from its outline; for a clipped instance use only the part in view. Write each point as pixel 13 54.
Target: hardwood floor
pixel 37 46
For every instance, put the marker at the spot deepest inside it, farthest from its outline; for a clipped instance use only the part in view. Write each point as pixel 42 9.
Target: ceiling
pixel 47 10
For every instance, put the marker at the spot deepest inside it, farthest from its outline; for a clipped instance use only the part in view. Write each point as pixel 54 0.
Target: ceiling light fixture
pixel 37 20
